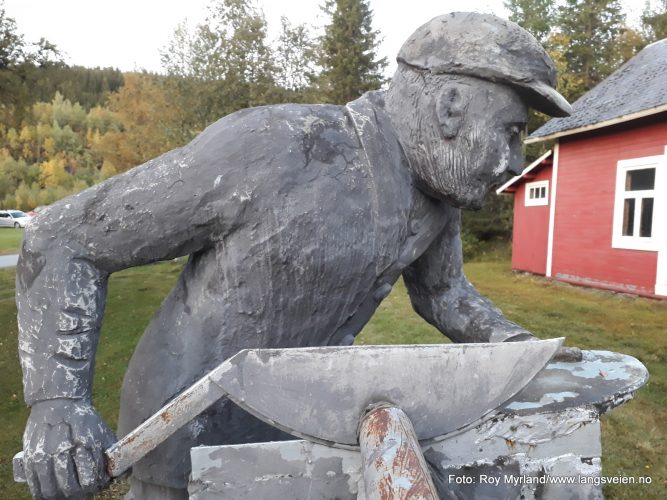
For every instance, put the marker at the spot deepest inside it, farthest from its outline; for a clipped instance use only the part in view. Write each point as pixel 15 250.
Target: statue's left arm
pixel 442 295
pixel 168 207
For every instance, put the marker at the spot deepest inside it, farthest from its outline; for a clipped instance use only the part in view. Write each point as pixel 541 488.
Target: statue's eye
pixel 514 130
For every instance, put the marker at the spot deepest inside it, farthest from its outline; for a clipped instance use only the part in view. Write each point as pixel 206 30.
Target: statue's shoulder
pixel 281 121
pixel 278 121
pixel 281 130
pixel 374 128
pixel 277 114
pixel 368 113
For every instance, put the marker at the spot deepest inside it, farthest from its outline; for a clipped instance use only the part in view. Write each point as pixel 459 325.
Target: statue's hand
pixel 563 354
pixel 515 333
pixel 64 443
pixel 568 354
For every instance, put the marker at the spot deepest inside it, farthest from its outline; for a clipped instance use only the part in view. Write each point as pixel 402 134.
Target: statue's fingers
pixel 47 480
pixel 58 439
pixel 101 468
pixel 86 469
pixel 35 444
pixel 568 354
pixel 33 481
pixel 65 473
pixel 108 438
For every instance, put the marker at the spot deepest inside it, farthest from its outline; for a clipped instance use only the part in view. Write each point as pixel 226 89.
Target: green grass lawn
pixel 10 240
pixel 634 436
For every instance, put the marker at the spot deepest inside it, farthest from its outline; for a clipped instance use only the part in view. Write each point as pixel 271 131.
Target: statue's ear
pixel 450 108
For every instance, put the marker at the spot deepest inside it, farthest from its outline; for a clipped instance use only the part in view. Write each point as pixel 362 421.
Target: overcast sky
pixel 128 34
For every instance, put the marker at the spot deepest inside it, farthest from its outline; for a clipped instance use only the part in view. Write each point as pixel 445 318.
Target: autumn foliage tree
pixel 149 123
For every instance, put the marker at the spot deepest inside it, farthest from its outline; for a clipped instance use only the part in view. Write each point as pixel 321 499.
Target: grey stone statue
pixel 298 219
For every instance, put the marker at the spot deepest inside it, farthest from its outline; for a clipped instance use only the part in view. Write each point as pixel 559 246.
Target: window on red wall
pixel 537 193
pixel 638 188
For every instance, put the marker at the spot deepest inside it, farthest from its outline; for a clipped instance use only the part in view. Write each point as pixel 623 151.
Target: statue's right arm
pixel 168 207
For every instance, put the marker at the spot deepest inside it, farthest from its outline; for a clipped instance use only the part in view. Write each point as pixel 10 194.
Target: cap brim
pixel 546 99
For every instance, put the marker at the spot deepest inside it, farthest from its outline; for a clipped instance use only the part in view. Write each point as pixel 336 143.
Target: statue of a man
pixel 298 219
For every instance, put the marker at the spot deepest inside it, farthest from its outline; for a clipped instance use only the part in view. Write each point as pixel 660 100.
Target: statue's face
pixel 467 139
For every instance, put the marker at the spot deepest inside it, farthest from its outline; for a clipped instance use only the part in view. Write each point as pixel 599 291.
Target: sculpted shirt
pixel 299 219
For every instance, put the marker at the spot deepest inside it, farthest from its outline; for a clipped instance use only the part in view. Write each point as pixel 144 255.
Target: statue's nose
pixel 515 168
pixel 516 157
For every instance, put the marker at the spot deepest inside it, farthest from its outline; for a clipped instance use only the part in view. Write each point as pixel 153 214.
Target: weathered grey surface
pixel 493 50
pixel 298 220
pixel 573 431
pixel 602 380
pixel 289 389
pixel 320 394
pixel 520 450
pixel 288 469
pixel 52 432
pixel 18 468
pixel 297 469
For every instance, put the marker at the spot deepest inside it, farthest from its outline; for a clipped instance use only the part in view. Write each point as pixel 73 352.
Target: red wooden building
pixel 593 210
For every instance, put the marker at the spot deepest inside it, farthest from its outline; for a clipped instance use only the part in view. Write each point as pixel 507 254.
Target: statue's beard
pixel 449 169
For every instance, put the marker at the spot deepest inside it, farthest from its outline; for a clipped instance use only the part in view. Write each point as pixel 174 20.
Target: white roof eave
pixel 525 171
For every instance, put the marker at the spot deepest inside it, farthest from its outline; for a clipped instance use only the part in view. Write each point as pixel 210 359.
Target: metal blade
pixel 320 393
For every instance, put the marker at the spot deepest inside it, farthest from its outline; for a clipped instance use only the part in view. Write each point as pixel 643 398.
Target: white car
pixel 14 218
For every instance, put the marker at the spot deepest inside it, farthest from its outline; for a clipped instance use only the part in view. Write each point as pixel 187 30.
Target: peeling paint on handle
pixel 393 464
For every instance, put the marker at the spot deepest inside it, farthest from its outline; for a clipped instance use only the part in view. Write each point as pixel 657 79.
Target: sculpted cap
pixel 487 47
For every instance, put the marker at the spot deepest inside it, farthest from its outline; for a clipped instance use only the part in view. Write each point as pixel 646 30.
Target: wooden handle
pixel 393 463
pixel 171 417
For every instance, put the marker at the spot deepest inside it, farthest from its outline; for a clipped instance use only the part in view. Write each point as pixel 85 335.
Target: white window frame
pixel 637 242
pixel 537 202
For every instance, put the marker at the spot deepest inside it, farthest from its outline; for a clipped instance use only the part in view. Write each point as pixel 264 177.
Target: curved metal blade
pixel 320 393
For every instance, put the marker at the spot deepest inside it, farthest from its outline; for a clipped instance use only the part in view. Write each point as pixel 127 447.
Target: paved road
pixel 8 260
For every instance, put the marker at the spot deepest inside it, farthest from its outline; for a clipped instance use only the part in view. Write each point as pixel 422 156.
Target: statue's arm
pixel 442 295
pixel 160 210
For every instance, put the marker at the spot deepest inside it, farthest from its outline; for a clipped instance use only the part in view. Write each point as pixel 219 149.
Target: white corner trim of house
pixel 552 210
pixel 661 211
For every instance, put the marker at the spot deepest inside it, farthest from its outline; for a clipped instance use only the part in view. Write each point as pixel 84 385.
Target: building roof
pixel 636 89
pixel 537 163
